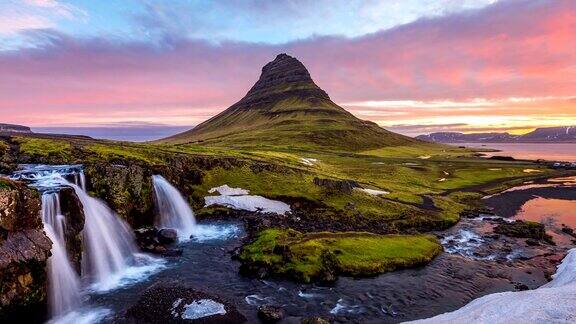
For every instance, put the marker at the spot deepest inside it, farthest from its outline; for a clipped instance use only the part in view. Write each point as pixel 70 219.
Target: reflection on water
pixel 549 210
pixel 531 151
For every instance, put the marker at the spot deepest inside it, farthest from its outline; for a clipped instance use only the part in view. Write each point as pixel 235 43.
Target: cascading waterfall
pixel 173 210
pixel 109 246
pixel 63 282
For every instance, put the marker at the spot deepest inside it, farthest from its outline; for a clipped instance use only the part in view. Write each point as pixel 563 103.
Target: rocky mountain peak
pixel 284 73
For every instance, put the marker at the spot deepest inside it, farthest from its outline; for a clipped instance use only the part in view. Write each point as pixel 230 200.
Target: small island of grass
pixel 322 256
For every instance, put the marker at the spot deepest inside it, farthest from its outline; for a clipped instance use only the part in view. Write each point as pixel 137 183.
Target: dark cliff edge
pixel 24 250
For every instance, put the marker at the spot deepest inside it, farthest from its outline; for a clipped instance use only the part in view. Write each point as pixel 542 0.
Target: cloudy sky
pixel 414 66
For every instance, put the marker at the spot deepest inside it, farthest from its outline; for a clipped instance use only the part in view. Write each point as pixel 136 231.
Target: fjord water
pixel 530 151
pixel 173 210
pixel 63 283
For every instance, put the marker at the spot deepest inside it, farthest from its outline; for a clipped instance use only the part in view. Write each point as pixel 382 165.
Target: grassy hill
pixel 285 108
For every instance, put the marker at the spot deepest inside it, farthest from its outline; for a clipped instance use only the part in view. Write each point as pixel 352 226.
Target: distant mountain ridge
pixel 11 128
pixel 286 108
pixel 561 134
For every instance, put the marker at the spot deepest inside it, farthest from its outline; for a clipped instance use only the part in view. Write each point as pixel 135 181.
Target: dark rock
pixel 270 314
pixel 315 320
pixel 167 303
pixel 167 236
pixel 345 186
pixel 524 229
pixel 569 231
pixel 532 242
pixel 73 211
pixel 24 250
pixel 20 206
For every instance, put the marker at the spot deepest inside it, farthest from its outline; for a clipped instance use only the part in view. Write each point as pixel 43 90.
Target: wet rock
pixel 345 186
pixel 72 209
pixel 178 304
pixel 24 250
pixel 20 206
pixel 569 231
pixel 167 236
pixel 315 320
pixel 524 229
pixel 150 239
pixel 270 314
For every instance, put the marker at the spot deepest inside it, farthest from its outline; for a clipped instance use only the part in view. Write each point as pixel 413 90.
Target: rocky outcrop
pixel 24 249
pixel 11 128
pixel 176 304
pixel 126 188
pixel 524 229
pixel 73 211
pixel 345 186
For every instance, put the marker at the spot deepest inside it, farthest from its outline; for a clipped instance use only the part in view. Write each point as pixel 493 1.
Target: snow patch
pixel 202 308
pixel 373 192
pixel 239 199
pixel 249 203
pixel 225 190
pixel 555 302
pixel 308 161
pixel 424 157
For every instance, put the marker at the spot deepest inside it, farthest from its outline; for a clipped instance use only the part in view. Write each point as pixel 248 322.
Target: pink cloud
pixel 515 48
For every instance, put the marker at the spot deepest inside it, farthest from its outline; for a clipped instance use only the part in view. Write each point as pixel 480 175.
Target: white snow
pixel 249 203
pixel 373 192
pixel 555 302
pixel 199 309
pixel 308 161
pixel 238 198
pixel 424 157
pixel 442 180
pixel 225 190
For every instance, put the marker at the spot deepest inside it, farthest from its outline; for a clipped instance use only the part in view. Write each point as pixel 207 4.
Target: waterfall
pixel 63 283
pixel 173 210
pixel 109 244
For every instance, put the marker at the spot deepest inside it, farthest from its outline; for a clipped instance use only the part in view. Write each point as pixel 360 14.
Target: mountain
pixel 10 128
pixel 563 134
pixel 286 108
pixel 455 137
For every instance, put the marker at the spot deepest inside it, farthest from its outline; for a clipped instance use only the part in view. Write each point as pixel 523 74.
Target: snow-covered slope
pixel 554 302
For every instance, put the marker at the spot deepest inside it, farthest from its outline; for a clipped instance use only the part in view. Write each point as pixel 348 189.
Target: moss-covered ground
pixel 319 256
pixel 429 187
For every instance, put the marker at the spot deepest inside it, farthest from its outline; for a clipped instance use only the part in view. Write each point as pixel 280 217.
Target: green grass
pixel 308 257
pixel 46 148
pixel 115 151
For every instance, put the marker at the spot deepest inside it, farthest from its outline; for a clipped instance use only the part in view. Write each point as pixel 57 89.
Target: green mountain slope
pixel 286 108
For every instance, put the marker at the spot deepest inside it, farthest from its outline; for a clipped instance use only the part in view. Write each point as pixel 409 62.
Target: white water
pixel 63 282
pixel 109 246
pixel 173 210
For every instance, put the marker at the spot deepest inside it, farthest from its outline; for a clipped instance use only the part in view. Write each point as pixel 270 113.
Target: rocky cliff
pixel 24 249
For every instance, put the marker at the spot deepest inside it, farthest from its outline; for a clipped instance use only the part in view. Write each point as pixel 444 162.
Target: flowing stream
pixel 173 210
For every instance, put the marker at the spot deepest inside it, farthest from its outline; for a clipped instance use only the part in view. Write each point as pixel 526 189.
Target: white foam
pixel 145 266
pixel 211 232
pixel 554 302
pixel 82 316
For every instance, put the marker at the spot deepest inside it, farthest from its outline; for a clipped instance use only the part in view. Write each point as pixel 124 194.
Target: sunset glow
pixel 469 66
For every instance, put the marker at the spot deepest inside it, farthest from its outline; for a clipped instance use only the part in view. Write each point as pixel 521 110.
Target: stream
pixel 474 263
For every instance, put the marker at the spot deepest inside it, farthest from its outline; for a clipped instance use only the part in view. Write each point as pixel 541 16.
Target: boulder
pixel 172 303
pixel 524 229
pixel 167 236
pixel 270 314
pixel 20 206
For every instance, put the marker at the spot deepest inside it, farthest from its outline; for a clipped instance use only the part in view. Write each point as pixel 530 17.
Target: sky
pixel 412 66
